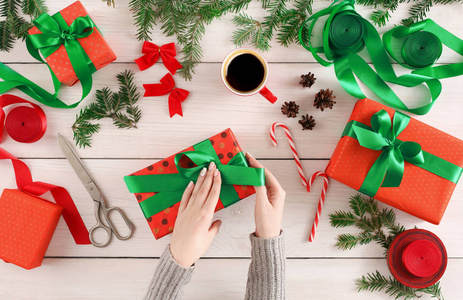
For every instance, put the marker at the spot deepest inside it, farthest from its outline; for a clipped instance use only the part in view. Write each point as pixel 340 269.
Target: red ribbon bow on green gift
pixel 153 52
pixel 167 85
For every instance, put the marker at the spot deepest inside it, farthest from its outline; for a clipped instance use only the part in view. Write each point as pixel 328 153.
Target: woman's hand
pixel 193 232
pixel 270 200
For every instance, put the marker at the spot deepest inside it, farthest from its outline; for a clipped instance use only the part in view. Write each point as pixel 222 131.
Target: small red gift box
pixel 225 147
pixel 27 226
pixel 426 186
pixel 95 47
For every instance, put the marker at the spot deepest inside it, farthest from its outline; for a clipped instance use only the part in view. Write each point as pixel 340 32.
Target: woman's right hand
pixel 270 200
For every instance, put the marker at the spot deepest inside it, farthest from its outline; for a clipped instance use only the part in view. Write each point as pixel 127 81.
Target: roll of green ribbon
pixel 345 33
pixel 421 47
pixel 54 33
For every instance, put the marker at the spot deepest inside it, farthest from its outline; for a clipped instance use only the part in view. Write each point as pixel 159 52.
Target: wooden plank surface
pixel 213 279
pixel 123 269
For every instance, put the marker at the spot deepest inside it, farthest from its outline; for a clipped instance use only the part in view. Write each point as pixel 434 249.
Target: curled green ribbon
pixel 170 187
pixel 388 169
pixel 55 32
pixel 421 46
pixel 345 33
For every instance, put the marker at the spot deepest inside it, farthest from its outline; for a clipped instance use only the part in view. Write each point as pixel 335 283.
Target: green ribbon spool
pixel 388 169
pixel 345 33
pixel 55 32
pixel 421 46
pixel 170 187
pixel 421 49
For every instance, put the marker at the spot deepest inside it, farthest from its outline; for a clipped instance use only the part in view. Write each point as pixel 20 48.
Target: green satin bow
pixel 55 32
pixel 388 169
pixel 170 187
pixel 421 47
pixel 345 33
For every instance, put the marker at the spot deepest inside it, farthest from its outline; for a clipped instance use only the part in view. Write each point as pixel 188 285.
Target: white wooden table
pixel 123 269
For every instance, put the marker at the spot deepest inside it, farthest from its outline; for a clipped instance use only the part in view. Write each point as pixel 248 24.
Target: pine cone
pixel 324 99
pixel 290 109
pixel 307 80
pixel 307 122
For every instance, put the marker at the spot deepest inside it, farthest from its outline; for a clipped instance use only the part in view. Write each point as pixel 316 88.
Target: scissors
pixel 92 189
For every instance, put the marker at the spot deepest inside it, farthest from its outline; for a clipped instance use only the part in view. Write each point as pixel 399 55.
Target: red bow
pixel 167 85
pixel 152 53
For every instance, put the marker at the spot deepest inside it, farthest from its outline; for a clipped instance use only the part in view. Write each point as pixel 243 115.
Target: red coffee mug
pixel 261 88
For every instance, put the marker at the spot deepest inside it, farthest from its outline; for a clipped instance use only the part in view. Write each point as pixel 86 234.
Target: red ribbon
pixel 23 124
pixel 167 85
pixel 70 213
pixel 152 53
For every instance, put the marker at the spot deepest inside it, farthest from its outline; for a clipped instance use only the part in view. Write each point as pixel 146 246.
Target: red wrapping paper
pixel 225 145
pixel 421 193
pixel 94 45
pixel 27 226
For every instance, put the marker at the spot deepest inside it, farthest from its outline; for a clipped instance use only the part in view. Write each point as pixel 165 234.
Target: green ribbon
pixel 345 33
pixel 170 187
pixel 421 47
pixel 388 169
pixel 55 32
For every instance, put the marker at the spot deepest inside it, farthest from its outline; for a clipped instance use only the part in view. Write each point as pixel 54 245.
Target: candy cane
pixel 291 145
pixel 304 181
pixel 321 202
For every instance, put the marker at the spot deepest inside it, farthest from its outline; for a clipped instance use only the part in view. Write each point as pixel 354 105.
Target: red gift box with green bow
pixel 398 160
pixel 159 187
pixel 71 43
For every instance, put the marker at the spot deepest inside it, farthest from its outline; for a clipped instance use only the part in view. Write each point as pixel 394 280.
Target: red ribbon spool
pixel 417 258
pixel 23 124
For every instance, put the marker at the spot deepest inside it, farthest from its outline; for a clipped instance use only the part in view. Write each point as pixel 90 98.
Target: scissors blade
pixel 74 161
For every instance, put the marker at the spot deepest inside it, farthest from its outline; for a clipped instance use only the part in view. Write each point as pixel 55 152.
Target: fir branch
pixel 343 219
pixel 109 104
pixel 271 22
pixel 348 241
pixel 192 52
pixel 144 16
pixel 84 130
pixel 128 96
pixel 433 290
pixel 13 26
pixel 377 282
pixel 251 30
pixel 417 12
pixel 292 20
pixel 357 204
pixel 33 8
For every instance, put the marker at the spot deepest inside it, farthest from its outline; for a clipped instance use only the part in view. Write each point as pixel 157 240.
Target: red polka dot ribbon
pixel 167 85
pixel 417 258
pixel 23 124
pixel 37 188
pixel 153 52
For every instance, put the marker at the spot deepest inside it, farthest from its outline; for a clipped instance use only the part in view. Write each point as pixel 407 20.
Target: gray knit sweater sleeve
pixel 266 276
pixel 169 279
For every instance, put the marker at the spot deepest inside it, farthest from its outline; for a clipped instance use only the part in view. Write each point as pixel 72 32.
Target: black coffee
pixel 245 72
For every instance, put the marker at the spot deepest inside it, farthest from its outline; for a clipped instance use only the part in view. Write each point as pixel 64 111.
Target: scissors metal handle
pixel 110 229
